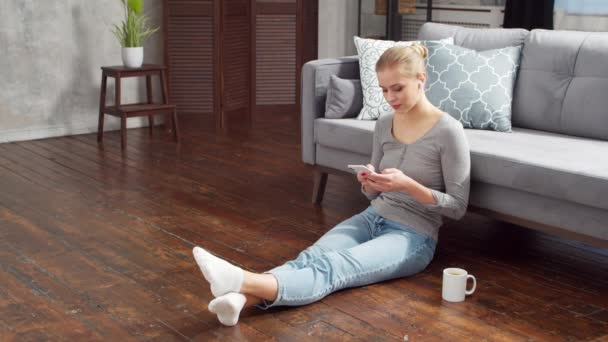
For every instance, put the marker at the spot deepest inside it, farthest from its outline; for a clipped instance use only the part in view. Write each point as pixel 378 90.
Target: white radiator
pixel 462 15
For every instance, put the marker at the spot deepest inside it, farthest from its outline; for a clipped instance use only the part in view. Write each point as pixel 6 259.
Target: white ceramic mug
pixel 455 284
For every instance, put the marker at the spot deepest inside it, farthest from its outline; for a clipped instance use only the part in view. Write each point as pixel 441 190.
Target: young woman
pixel 423 162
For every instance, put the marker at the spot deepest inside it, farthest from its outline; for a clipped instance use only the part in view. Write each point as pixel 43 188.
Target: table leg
pixel 163 84
pixel 175 125
pixel 123 118
pixel 117 91
pixel 150 100
pixel 102 107
pixel 163 81
pixel 123 131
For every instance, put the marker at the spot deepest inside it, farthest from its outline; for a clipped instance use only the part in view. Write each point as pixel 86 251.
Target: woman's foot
pixel 223 277
pixel 228 307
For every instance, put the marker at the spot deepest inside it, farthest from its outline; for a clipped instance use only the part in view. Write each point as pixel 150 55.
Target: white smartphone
pixel 360 168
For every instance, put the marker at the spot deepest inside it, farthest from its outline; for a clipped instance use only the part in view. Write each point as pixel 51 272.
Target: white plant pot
pixel 132 57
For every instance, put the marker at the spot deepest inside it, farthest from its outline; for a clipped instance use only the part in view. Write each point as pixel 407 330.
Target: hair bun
pixel 420 49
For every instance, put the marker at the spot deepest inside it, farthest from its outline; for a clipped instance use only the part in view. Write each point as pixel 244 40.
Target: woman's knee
pixel 417 262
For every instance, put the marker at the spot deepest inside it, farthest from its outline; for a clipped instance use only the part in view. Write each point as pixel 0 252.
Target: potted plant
pixel 133 32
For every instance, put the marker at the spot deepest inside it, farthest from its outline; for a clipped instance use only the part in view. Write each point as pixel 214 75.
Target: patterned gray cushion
pixel 369 51
pixel 474 87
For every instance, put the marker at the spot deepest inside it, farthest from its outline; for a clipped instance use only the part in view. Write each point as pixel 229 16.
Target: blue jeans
pixel 361 250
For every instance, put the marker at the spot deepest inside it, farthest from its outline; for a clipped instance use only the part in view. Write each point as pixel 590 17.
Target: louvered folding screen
pixel 275 56
pixel 236 57
pixel 190 55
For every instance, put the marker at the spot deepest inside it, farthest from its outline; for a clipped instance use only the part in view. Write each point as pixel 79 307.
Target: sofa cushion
pixel 542 163
pixel 475 88
pixel 562 85
pixel 553 165
pixel 345 134
pixel 344 98
pixel 479 39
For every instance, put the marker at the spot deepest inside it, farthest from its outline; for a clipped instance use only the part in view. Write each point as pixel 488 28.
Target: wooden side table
pixel 124 111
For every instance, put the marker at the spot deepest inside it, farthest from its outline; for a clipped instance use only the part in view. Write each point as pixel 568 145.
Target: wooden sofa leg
pixel 318 187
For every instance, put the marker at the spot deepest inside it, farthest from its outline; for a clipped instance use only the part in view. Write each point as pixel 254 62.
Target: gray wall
pixel 337 26
pixel 50 57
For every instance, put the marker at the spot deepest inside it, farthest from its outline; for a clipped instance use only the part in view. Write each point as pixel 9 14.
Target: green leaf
pixel 134 29
pixel 136 6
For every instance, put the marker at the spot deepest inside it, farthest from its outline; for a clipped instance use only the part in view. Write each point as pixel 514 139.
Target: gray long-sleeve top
pixel 439 160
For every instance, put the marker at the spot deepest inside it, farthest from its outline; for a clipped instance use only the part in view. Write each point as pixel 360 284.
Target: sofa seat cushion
pixel 549 164
pixel 345 134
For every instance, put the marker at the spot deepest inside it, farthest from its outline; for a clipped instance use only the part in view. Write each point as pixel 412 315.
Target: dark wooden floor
pixel 96 244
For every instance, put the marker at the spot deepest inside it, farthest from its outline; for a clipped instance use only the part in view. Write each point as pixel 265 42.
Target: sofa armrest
pixel 315 78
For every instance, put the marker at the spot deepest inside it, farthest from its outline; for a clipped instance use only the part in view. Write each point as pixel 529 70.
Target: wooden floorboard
pixel 95 244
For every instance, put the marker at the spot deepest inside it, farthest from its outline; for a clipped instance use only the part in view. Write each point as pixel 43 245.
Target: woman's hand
pixel 389 180
pixel 362 177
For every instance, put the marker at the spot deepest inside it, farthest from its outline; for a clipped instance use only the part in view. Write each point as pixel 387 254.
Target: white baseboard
pixel 73 128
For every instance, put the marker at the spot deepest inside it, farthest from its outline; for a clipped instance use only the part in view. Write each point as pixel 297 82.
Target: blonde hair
pixel 409 59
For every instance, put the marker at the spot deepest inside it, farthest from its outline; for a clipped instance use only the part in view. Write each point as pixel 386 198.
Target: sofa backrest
pixel 474 38
pixel 562 84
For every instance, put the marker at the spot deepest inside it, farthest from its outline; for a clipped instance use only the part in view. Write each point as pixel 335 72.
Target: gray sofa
pixel 550 173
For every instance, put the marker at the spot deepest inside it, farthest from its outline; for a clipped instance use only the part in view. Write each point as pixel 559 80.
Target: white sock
pixel 228 307
pixel 221 275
